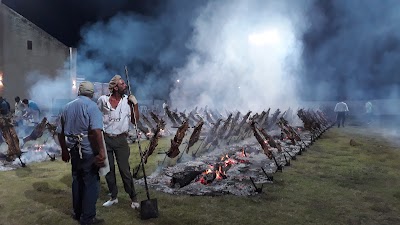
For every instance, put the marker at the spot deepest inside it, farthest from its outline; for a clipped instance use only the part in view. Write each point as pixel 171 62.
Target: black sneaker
pixel 94 221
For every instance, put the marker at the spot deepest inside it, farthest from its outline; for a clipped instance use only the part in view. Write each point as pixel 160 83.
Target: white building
pixel 27 49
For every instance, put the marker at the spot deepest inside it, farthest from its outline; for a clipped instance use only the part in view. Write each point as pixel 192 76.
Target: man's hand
pixel 99 160
pixel 132 100
pixel 65 156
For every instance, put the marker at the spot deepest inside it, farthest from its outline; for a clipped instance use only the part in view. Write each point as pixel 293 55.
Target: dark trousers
pixel 340 118
pixel 368 117
pixel 118 147
pixel 85 186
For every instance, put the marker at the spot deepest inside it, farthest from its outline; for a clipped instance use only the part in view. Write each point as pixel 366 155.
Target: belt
pixel 116 135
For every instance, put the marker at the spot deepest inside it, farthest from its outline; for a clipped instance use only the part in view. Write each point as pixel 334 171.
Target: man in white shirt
pixel 19 110
pixel 117 114
pixel 368 111
pixel 341 109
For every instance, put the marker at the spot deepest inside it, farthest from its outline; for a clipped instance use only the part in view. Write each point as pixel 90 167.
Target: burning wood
pixel 210 175
pixel 217 171
pixel 176 142
pixel 184 178
pixel 37 132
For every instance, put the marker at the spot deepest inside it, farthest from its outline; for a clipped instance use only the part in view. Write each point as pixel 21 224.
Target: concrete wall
pixel 1 47
pixel 47 56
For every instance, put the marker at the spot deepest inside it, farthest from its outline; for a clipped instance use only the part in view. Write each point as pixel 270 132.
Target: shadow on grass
pixel 23 172
pixel 67 180
pixel 57 199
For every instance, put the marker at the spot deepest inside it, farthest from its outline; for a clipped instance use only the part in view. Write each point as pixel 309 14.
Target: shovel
pixel 149 207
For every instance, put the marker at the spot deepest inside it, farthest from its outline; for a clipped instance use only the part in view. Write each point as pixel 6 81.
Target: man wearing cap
pixel 81 141
pixel 117 114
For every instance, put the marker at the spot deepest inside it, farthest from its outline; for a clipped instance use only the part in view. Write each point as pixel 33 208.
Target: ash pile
pixel 212 154
pixel 20 145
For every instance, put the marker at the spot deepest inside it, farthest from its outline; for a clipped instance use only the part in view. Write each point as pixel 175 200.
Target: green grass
pixel 331 183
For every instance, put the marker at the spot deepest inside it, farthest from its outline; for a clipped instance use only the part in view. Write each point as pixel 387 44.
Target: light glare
pixel 264 38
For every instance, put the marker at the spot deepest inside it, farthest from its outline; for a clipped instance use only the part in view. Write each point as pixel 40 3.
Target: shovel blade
pixel 148 209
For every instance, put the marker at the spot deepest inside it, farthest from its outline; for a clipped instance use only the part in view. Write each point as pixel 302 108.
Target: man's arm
pixel 64 150
pixel 98 148
pixel 135 112
pixel 61 139
pixel 134 105
pixel 336 108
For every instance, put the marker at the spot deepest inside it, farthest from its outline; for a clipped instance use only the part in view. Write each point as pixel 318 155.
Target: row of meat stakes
pixel 214 130
pixel 211 127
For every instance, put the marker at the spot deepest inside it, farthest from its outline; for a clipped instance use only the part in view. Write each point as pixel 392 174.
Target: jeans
pixel 85 186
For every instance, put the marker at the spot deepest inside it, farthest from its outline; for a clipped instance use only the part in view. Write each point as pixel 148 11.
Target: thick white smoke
pixel 245 54
pixel 226 54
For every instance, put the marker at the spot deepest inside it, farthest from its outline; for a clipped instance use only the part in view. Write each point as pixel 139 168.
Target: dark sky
pixel 350 48
pixel 63 19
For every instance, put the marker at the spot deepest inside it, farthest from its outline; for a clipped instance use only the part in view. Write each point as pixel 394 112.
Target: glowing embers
pixel 38 148
pixel 220 169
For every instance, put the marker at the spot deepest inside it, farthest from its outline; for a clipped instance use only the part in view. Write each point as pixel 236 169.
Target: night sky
pixel 64 19
pixel 350 49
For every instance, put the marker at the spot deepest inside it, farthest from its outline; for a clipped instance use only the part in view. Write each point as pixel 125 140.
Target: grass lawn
pixel 333 182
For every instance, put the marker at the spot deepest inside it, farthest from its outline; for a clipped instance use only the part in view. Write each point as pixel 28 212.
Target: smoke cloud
pixel 248 54
pixel 225 54
pixel 245 54
pixel 351 50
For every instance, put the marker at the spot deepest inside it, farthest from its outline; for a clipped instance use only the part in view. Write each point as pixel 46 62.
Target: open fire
pixel 233 157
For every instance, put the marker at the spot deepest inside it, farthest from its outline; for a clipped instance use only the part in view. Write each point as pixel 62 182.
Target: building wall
pixel 1 47
pixel 47 57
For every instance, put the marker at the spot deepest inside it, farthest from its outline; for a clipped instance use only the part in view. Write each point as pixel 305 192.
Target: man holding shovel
pixel 117 114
